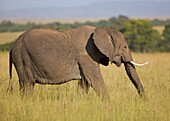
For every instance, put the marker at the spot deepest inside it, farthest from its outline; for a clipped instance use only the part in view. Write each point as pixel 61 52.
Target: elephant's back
pixel 45 41
pixel 47 44
pixel 45 34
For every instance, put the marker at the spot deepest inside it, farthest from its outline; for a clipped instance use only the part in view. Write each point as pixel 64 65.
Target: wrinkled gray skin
pixel 48 56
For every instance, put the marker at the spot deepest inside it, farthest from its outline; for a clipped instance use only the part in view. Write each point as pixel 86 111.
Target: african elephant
pixel 47 56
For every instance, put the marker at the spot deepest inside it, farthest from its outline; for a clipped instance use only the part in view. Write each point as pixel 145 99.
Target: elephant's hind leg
pixel 25 79
pixel 27 82
pixel 25 86
pixel 22 64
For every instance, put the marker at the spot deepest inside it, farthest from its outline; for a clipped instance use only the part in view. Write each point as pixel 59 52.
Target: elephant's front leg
pixel 99 87
pixel 91 72
pixel 83 86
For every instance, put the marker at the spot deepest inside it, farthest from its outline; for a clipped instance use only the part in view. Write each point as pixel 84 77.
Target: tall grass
pixel 63 103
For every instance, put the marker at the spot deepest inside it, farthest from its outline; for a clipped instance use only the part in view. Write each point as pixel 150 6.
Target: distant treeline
pixel 139 33
pixel 116 22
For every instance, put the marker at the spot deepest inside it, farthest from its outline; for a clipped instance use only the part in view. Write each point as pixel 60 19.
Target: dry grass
pixel 160 29
pixel 61 103
pixel 8 36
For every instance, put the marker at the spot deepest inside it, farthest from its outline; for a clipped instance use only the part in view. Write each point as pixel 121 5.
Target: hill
pixel 96 10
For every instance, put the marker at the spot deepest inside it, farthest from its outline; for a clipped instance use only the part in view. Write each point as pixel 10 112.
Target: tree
pixel 119 22
pixel 141 36
pixel 165 43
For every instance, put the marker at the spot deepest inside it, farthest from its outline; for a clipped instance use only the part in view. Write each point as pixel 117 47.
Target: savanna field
pixel 64 103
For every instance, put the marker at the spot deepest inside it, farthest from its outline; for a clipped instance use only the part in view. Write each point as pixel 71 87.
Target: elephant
pixel 46 56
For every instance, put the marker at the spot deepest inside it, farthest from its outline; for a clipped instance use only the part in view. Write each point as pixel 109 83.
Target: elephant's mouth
pixel 134 63
pixel 117 61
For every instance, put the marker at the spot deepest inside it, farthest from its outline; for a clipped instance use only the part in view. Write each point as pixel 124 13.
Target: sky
pixel 20 4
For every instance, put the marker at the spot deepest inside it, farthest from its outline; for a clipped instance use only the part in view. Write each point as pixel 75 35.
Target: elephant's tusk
pixel 137 64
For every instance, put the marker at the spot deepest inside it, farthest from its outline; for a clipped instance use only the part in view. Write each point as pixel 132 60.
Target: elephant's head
pixel 114 46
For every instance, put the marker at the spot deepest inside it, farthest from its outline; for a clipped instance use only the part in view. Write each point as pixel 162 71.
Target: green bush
pixel 164 45
pixel 6 46
pixel 141 36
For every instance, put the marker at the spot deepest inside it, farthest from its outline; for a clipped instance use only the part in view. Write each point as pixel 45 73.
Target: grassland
pixel 8 36
pixel 63 103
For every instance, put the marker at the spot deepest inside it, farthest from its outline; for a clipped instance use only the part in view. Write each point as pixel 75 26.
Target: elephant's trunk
pixel 131 72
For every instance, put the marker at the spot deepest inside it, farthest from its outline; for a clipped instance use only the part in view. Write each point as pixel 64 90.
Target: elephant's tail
pixel 10 65
pixel 10 88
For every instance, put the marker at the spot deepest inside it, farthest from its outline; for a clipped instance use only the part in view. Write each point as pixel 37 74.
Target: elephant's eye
pixel 125 47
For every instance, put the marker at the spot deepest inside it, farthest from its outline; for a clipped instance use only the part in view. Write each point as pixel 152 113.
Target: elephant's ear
pixel 103 42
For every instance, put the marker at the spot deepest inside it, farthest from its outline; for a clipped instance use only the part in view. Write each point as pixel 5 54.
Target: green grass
pixel 62 103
